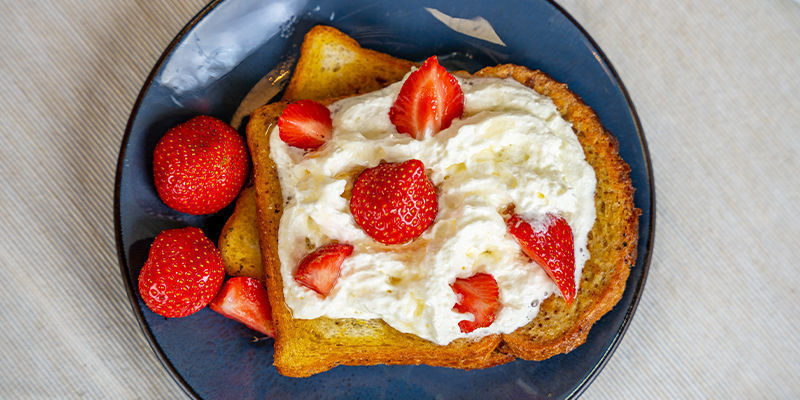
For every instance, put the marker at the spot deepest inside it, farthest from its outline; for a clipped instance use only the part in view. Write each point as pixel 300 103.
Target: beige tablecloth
pixel 716 84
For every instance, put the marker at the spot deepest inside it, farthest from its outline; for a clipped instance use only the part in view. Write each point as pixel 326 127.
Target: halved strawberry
pixel 549 243
pixel 394 202
pixel 305 124
pixel 478 295
pixel 428 101
pixel 320 270
pixel 245 300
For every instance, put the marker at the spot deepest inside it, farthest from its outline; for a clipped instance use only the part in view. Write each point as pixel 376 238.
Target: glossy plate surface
pixel 228 47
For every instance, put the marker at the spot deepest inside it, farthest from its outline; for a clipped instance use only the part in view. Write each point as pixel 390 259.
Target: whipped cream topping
pixel 511 146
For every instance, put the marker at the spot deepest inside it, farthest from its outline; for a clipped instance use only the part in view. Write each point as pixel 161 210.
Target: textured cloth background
pixel 716 84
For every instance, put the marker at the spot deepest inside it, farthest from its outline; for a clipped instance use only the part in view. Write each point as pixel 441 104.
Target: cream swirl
pixel 511 146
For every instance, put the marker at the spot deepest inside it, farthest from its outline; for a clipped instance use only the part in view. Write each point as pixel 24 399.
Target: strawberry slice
pixel 244 299
pixel 479 296
pixel 305 124
pixel 320 269
pixel 428 101
pixel 549 243
pixel 394 202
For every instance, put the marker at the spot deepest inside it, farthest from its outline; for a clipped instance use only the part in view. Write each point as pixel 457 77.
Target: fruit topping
pixel 428 101
pixel 549 243
pixel 394 202
pixel 183 272
pixel 245 300
pixel 200 166
pixel 305 124
pixel 477 295
pixel 320 269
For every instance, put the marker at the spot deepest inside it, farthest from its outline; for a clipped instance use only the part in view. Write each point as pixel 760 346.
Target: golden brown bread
pixel 304 347
pixel 332 64
pixel 238 241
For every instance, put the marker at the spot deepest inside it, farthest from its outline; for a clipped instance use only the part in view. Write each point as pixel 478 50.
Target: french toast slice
pixel 347 69
pixel 305 347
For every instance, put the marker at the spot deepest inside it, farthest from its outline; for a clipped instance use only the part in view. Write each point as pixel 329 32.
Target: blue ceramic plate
pixel 209 68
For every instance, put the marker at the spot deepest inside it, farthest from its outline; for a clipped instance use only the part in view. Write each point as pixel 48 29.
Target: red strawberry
pixel 550 245
pixel 428 101
pixel 394 202
pixel 305 124
pixel 479 296
pixel 200 165
pixel 245 300
pixel 320 270
pixel 183 272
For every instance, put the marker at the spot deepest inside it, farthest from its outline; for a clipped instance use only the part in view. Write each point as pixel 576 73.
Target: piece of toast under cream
pixel 332 65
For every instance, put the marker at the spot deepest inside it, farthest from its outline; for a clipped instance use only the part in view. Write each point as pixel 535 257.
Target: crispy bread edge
pixel 615 209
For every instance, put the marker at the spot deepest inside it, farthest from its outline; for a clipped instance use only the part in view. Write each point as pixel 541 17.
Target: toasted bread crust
pixel 305 347
pixel 559 328
pixel 328 55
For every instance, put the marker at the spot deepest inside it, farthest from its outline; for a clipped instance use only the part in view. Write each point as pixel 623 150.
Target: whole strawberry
pixel 394 202
pixel 200 166
pixel 183 272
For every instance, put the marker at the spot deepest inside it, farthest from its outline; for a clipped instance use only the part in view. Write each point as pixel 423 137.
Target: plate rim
pixel 639 288
pixel 181 35
pixel 123 263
